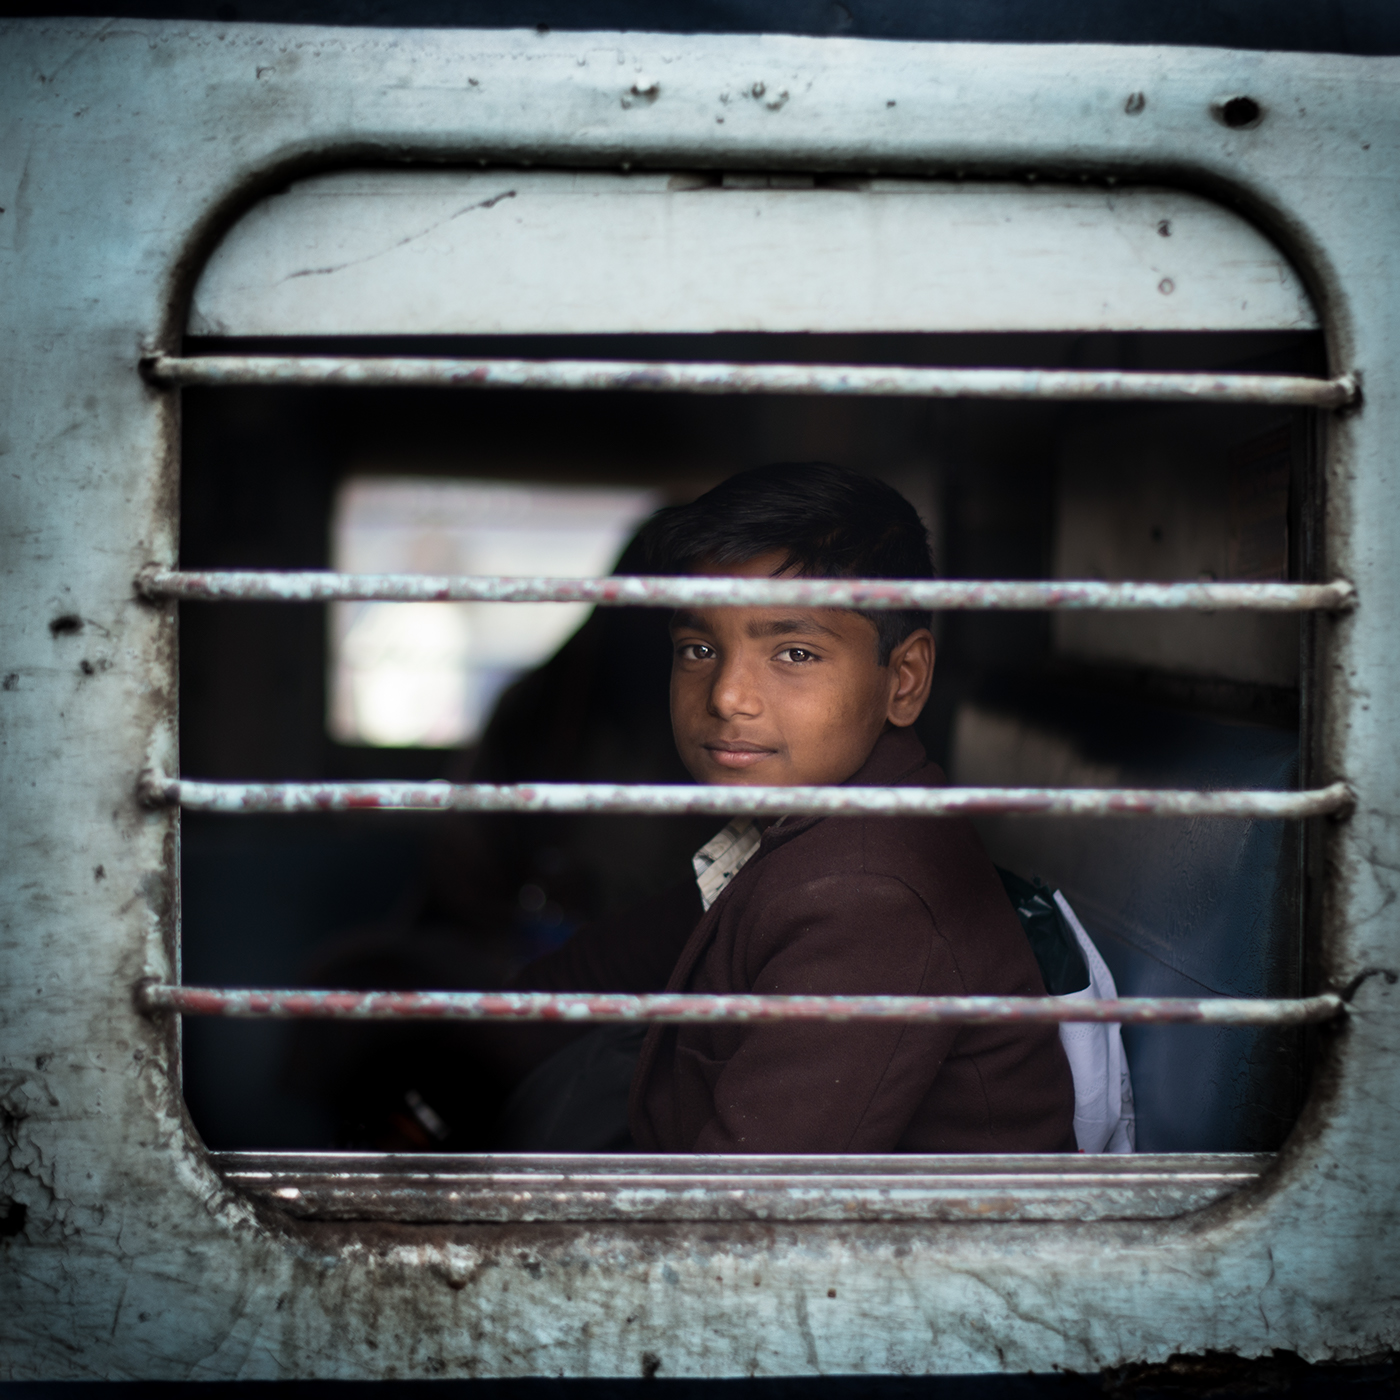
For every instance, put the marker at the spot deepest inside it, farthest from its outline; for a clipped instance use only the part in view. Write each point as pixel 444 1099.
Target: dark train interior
pixel 1008 490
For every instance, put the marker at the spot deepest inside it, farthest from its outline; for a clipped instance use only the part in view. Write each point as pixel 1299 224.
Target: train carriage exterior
pixel 142 173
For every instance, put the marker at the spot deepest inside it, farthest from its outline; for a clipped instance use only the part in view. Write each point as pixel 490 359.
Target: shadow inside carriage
pixel 493 891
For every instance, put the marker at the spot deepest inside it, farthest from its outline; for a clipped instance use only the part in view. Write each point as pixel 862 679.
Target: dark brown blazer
pixel 837 905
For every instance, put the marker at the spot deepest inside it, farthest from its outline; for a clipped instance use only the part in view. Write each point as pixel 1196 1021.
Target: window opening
pixel 975 495
pixel 1281 374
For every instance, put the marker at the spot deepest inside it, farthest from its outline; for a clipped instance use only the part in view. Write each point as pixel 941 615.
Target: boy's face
pixel 786 696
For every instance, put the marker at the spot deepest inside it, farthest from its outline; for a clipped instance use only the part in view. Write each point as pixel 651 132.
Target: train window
pixel 408 276
pixel 1117 320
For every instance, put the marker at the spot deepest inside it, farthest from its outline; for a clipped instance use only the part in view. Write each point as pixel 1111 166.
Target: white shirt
pixel 719 860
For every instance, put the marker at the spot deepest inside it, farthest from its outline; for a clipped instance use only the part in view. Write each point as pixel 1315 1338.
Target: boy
pixel 810 905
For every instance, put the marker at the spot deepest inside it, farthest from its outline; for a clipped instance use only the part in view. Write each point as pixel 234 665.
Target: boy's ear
pixel 911 675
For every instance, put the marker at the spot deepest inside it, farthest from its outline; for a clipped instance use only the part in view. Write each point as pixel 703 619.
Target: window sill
pixel 447 1189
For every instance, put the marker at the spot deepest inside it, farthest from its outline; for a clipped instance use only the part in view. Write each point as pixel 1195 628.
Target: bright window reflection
pixel 427 674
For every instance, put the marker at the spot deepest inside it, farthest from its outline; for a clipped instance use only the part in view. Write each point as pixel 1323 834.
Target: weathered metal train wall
pixel 125 147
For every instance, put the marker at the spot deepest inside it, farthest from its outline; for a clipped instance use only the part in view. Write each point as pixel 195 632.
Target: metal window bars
pixel 623 590
pixel 163 584
pixel 692 377
pixel 682 1008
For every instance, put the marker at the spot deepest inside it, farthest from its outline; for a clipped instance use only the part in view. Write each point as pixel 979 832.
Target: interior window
pixel 428 674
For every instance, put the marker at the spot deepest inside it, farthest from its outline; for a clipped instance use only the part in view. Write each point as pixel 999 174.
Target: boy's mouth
pixel 737 753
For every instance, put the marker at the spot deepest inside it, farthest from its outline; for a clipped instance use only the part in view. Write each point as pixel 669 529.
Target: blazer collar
pixel 896 757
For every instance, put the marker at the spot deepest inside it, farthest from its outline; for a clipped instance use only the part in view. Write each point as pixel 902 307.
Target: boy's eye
pixel 694 651
pixel 797 655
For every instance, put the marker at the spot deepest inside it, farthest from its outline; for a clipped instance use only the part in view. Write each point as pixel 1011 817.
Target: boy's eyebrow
pixel 788 626
pixel 779 627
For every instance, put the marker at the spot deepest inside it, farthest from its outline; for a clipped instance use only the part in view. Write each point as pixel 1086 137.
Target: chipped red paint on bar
pixel 675 1008
pixel 941 595
pixel 678 799
pixel 688 377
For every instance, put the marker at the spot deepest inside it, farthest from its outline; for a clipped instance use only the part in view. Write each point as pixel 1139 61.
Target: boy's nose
pixel 734 691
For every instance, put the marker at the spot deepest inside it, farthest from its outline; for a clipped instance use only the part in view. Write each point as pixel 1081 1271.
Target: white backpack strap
pixel 1104 1117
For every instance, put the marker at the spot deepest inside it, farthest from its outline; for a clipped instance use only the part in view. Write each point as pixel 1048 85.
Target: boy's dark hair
pixel 827 521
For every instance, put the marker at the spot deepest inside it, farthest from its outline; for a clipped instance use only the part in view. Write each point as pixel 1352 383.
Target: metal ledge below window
pixel 448 1190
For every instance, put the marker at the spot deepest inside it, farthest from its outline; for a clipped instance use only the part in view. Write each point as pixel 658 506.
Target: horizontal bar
pixel 448 1188
pixel 688 377
pixel 944 595
pixel 680 1008
pixel 724 801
